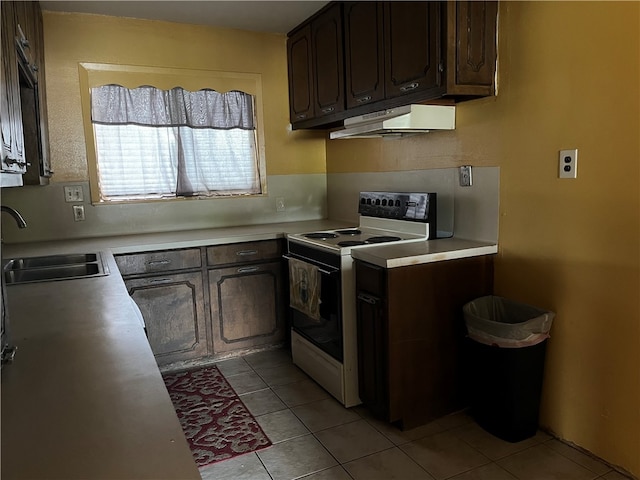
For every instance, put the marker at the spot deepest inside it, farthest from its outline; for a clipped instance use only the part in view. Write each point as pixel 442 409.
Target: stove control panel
pixel 417 207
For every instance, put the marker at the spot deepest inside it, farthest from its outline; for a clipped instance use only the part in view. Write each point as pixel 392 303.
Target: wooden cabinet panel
pixel 316 67
pixel 328 67
pixel 13 158
pixel 413 48
pixel 364 53
pixel 247 306
pixel 162 261
pixel 245 252
pixel 300 75
pixel 34 100
pixel 23 112
pixel 472 48
pixel 173 309
pixel 419 336
pixel 373 364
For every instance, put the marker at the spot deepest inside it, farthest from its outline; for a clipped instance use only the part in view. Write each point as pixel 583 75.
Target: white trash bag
pixel 500 322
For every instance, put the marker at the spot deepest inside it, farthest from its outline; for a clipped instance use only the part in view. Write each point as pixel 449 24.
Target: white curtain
pixel 153 143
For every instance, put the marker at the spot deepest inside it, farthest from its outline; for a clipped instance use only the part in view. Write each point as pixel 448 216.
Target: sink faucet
pixel 16 216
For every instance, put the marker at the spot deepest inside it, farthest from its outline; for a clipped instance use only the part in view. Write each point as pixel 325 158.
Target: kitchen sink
pixel 54 267
pixel 50 261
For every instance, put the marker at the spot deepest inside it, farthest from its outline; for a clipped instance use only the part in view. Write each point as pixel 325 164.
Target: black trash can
pixel 506 349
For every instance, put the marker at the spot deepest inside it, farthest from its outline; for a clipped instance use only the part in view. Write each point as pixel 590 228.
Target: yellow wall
pixel 569 78
pixel 74 38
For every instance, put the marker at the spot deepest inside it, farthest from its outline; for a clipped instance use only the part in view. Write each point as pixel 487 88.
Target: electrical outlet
pixel 280 206
pixel 568 163
pixel 466 178
pixel 73 193
pixel 78 213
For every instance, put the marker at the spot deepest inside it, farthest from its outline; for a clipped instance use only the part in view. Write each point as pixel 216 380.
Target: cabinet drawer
pixel 161 261
pixel 370 278
pixel 247 252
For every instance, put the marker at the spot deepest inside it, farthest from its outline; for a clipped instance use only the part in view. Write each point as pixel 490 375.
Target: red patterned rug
pixel 216 423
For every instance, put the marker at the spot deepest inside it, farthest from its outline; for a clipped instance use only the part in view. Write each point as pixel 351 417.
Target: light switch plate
pixel 73 193
pixel 466 178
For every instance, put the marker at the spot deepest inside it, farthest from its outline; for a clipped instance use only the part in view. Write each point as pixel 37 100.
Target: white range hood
pixel 398 122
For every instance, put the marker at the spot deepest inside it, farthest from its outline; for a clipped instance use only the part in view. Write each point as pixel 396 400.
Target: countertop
pixel 414 253
pixel 84 398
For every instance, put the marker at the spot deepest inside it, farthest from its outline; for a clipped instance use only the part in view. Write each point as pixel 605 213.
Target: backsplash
pixel 49 217
pixel 469 212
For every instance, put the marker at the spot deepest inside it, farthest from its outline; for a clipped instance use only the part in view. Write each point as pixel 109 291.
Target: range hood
pixel 398 122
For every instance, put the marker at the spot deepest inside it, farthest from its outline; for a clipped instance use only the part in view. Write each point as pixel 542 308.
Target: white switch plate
pixel 568 163
pixel 466 176
pixel 73 193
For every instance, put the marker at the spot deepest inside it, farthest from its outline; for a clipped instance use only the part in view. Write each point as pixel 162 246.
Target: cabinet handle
pixel 410 86
pixel 8 354
pixel 12 161
pixel 367 298
pixel 363 99
pixel 248 269
pixel 244 253
pixel 159 262
pixel 328 110
pixel 301 115
pixel 160 280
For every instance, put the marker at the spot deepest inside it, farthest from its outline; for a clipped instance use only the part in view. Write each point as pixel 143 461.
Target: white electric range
pixel 324 345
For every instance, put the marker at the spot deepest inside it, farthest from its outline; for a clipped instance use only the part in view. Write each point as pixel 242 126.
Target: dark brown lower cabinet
pixel 410 336
pixel 174 312
pixel 247 306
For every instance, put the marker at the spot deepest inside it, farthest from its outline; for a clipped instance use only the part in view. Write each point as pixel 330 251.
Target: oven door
pixel 324 332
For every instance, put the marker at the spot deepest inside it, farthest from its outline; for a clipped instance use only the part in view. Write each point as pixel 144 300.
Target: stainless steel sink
pixel 54 267
pixel 50 261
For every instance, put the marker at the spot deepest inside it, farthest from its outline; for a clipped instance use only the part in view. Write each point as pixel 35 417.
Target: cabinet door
pixel 33 98
pixel 173 309
pixel 364 53
pixel 413 48
pixel 300 75
pixel 13 160
pixel 471 47
pixel 328 68
pixel 373 362
pixel 246 306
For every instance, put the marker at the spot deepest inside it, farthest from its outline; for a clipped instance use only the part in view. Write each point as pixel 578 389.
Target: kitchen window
pixel 159 141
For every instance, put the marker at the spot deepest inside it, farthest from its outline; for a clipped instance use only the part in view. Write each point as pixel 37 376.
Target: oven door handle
pixel 320 269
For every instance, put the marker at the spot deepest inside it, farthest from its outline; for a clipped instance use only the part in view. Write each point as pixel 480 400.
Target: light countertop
pixel 84 398
pixel 414 253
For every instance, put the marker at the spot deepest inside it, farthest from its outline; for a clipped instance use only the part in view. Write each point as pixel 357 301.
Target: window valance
pixel 150 106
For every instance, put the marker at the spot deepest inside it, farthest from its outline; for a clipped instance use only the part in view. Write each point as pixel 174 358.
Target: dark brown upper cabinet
pixel 364 53
pixel 413 49
pixel 471 48
pixel 328 63
pixel 23 109
pixel 354 58
pixel 316 67
pixel 13 157
pixel 300 75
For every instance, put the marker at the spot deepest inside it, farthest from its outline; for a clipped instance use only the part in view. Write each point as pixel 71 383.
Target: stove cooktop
pixel 343 240
pixel 385 217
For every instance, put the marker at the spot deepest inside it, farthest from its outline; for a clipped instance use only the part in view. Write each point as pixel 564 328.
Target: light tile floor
pixel 316 438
